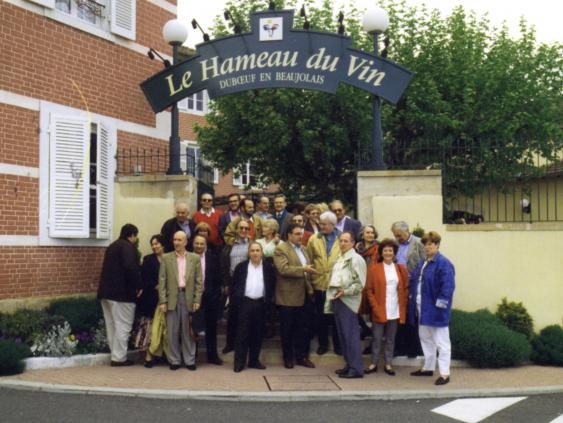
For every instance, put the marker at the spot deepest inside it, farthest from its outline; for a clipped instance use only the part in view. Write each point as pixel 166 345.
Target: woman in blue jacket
pixel 431 292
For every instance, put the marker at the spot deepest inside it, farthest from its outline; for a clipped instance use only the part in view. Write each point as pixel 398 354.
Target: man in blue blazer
pixel 345 223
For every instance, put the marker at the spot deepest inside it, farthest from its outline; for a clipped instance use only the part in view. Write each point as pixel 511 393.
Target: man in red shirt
pixel 208 214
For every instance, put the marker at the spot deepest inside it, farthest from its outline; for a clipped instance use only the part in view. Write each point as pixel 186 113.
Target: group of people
pixel 317 272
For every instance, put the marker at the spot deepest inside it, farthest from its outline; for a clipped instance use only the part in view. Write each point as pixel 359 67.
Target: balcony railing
pixel 137 162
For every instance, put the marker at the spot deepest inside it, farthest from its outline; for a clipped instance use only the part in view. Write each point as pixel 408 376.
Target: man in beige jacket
pixel 180 290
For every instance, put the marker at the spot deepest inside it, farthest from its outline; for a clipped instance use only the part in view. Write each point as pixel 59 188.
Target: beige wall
pixel 522 261
pixel 148 201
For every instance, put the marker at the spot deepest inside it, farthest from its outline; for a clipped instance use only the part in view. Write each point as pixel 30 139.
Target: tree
pixel 492 102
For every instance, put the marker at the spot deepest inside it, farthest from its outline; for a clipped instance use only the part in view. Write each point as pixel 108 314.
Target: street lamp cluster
pixel 175 33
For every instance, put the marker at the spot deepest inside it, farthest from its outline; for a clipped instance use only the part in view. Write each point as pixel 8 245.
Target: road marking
pixel 473 410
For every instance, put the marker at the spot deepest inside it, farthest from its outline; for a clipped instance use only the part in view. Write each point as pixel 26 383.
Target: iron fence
pixel 138 162
pixel 485 184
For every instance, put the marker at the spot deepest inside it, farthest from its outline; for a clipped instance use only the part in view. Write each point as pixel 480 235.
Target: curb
pixel 250 396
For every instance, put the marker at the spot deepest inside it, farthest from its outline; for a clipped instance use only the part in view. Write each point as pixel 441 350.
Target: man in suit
pixel 208 314
pixel 230 214
pixel 253 291
pixel 293 293
pixel 323 250
pixel 119 282
pixel 179 291
pixel 180 222
pixel 345 223
pixel 282 216
pixel 410 252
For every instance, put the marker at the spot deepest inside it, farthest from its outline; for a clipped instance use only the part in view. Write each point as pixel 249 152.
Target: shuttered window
pixel 69 178
pixel 80 183
pixel 123 18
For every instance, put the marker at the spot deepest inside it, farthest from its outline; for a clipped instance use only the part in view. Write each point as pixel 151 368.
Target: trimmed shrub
pixel 24 324
pixel 82 314
pixel 11 357
pixel 481 339
pixel 515 317
pixel 548 346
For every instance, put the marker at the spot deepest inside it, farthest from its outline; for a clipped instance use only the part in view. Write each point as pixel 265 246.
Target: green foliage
pixel 515 317
pixel 494 100
pixel 418 231
pixel 548 346
pixel 481 339
pixel 11 357
pixel 24 324
pixel 82 314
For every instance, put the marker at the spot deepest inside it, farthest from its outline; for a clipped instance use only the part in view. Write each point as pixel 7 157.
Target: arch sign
pixel 274 55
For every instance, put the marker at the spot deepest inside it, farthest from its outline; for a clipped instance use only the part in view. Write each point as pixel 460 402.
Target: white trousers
pixel 118 317
pixel 434 339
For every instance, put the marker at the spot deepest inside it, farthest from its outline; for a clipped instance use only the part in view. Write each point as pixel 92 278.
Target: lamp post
pixel 376 21
pixel 175 33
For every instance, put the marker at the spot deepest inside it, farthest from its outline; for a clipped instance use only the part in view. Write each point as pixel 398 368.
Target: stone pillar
pixel 414 196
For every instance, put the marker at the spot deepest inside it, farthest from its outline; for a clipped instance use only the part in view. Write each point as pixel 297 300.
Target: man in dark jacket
pixel 253 290
pixel 120 280
pixel 180 222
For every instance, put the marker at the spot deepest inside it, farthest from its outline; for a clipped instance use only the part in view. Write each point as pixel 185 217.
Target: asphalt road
pixel 43 407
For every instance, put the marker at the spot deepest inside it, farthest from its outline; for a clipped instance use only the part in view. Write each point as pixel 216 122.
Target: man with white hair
pixel 323 249
pixel 410 252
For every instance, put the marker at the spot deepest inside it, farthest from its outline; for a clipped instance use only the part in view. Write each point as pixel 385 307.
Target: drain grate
pixel 301 383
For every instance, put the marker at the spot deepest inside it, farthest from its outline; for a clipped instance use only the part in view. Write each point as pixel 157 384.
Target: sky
pixel 543 14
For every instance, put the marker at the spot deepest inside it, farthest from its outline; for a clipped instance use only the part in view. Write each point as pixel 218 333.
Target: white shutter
pixel 123 18
pixel 47 3
pixel 103 184
pixel 69 177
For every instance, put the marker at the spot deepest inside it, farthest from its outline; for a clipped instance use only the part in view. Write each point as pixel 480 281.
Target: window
pixel 76 177
pixel 243 177
pixel 193 163
pixel 197 103
pixel 96 16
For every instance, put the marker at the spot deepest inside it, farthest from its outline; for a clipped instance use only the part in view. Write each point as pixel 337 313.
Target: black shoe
pixel 121 363
pixel 148 364
pixel 174 366
pixel 305 362
pixel 227 349
pixel 338 351
pixel 216 361
pixel 370 369
pixel 421 372
pixel 350 375
pixel 322 350
pixel 389 370
pixel 288 364
pixel 442 380
pixel 342 370
pixel 191 367
pixel 256 365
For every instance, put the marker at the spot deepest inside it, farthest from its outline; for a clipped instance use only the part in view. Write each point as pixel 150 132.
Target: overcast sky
pixel 544 14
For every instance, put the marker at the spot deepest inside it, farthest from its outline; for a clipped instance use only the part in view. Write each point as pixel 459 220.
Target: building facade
pixel 69 98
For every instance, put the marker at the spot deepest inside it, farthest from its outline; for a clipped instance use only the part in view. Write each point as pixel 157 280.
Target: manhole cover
pixel 301 383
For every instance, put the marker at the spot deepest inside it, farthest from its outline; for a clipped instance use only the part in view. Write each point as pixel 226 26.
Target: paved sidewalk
pixel 279 384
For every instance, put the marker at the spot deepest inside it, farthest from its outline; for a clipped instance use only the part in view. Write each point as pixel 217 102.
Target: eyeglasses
pixel 337 210
pixel 206 200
